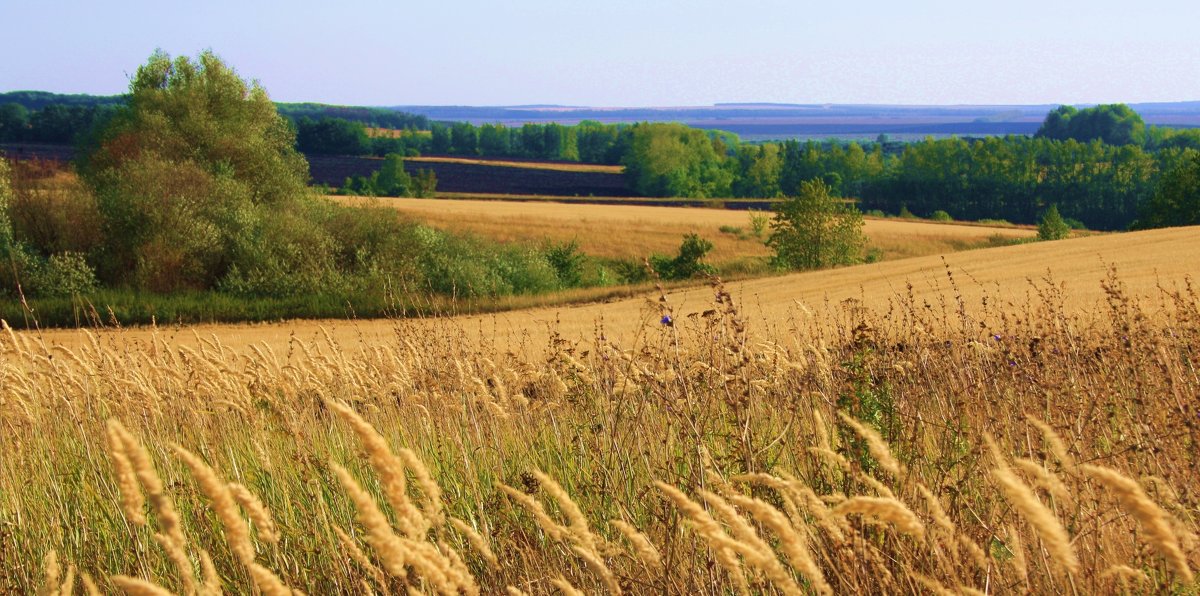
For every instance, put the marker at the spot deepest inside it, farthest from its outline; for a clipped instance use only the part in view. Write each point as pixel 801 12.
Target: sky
pixel 626 52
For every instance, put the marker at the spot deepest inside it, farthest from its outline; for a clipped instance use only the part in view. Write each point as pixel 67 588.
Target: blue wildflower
pixel 667 320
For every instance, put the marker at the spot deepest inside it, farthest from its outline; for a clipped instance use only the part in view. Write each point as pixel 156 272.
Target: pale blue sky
pixel 626 52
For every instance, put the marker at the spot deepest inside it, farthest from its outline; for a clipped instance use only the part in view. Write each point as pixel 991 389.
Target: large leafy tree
pixel 673 160
pixel 815 229
pixel 200 185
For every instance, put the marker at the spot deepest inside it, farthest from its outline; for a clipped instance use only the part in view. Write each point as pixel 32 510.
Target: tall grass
pixel 843 451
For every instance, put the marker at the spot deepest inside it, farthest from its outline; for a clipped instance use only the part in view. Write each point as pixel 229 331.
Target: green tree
pixel 14 119
pixel 464 139
pixel 686 264
pixel 393 180
pixel 814 229
pixel 1176 202
pixel 1114 124
pixel 199 184
pixel 440 141
pixel 1052 226
pixel 673 160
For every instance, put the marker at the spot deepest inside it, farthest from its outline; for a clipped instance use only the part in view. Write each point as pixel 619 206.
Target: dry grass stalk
pixel 390 470
pixel 1153 520
pixel 1019 561
pixel 791 542
pixel 565 586
pixel 1052 533
pixel 256 511
pixel 380 536
pixel 432 493
pixel 932 585
pixel 237 534
pixel 162 505
pixel 236 530
pixel 89 586
pixel 477 542
pixel 1054 442
pixel 753 549
pixel 132 501
pixel 211 582
pixel 138 587
pixel 711 531
pixel 357 555
pixel 515 591
pixel 832 456
pixel 883 509
pixel 552 528
pixel 642 547
pixel 1044 479
pixel 875 444
pixel 1125 576
pixel 51 572
pixel 599 569
pixel 578 527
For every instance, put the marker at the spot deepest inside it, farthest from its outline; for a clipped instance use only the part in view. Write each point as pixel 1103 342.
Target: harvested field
pixel 1007 275
pixel 635 231
pixel 903 428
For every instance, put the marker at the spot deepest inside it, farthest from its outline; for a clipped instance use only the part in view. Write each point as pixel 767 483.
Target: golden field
pixel 637 231
pixel 1011 420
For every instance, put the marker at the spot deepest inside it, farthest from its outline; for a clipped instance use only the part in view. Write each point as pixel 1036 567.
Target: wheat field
pixel 1009 420
pixel 637 231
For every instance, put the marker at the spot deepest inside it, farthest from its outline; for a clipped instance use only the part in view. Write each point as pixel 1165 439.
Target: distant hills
pixel 750 120
pixel 760 121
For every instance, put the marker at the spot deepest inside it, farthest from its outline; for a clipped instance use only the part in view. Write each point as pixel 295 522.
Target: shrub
pixel 814 230
pixel 940 215
pixel 567 262
pixel 1052 226
pixel 758 224
pixel 686 264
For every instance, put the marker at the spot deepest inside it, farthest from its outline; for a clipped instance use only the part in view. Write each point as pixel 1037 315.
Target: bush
pixel 1052 226
pixel 758 224
pixel 814 229
pixel 686 264
pixel 567 262
pixel 940 215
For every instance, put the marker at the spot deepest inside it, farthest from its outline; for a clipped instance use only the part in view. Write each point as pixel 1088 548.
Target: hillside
pixel 623 230
pixel 1143 260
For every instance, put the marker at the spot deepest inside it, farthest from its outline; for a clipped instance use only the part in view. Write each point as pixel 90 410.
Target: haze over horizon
pixel 628 53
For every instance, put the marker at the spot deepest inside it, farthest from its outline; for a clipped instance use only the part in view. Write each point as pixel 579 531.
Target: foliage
pixel 1176 201
pixel 814 230
pixel 198 180
pixel 1052 226
pixel 673 160
pixel 1114 124
pixel 425 184
pixel 686 264
pixel 28 272
pixel 332 136
pixel 568 262
pixel 758 224
pixel 940 215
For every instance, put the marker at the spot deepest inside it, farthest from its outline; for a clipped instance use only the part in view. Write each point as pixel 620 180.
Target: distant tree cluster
pixel 373 117
pixel 392 180
pixel 1114 124
pixel 53 123
pixel 587 142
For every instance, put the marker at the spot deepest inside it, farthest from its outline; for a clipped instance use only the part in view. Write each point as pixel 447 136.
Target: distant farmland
pixel 478 176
